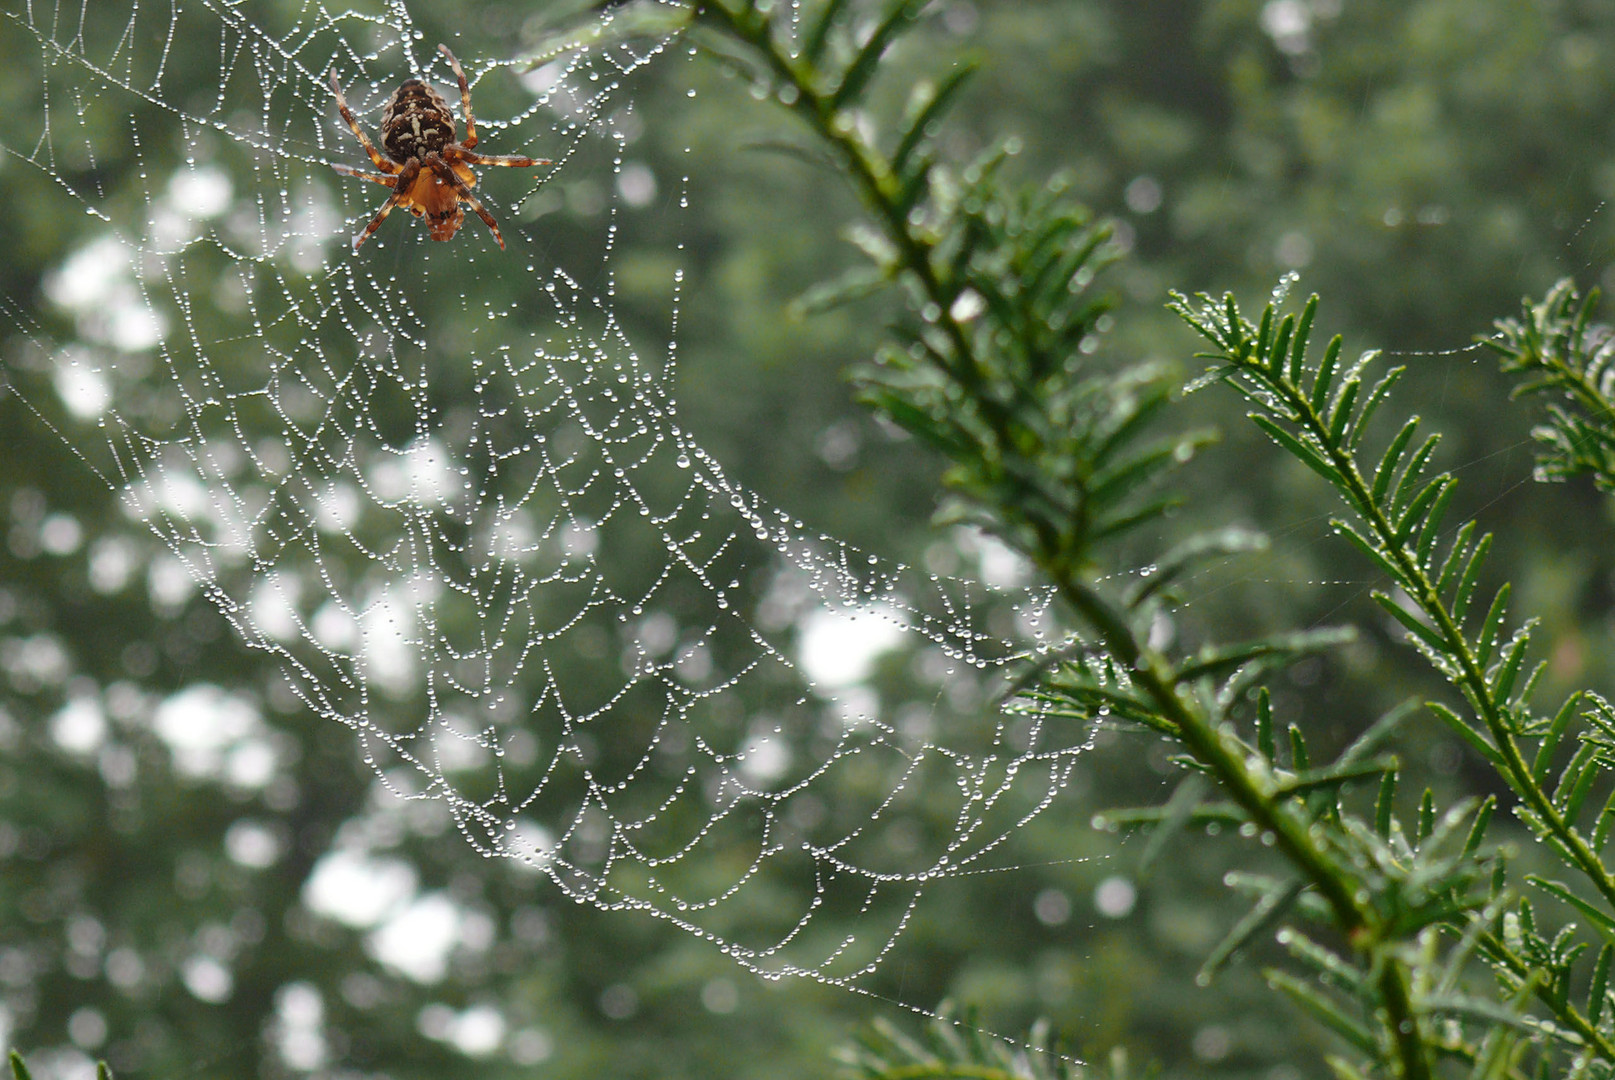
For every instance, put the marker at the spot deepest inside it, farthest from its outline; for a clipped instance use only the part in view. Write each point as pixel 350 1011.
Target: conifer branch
pixel 1048 455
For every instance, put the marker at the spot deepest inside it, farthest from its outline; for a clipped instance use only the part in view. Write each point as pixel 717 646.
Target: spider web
pixel 477 535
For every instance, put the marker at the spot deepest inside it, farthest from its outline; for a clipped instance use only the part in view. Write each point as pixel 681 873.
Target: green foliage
pixel 1570 361
pixel 951 1048
pixel 19 1070
pixel 1388 918
pixel 1385 898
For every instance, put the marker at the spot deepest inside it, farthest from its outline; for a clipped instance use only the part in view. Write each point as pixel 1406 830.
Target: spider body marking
pixel 415 122
pixel 428 170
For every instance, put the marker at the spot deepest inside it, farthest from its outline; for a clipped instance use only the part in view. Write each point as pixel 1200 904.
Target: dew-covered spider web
pixel 475 532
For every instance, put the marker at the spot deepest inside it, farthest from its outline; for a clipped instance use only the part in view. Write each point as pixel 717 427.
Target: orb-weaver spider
pixel 429 172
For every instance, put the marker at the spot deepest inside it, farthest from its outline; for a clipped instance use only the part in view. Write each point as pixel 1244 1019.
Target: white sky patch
pixel 764 759
pixel 1289 24
pixel 90 276
pixel 62 1063
pixel 1052 907
pixel 314 223
pixel 201 192
pixel 476 1032
pixel 418 940
pixel 163 490
pixel 657 633
pixel 579 538
pixel 81 384
pixel 334 627
pixel 458 746
pixel 300 1015
pixel 529 845
pixel 359 889
pixel 337 510
pixel 424 474
pixel 60 534
pixel 272 607
pixel 169 582
pixel 543 79
pixel 251 763
pixel 388 630
pixel 693 664
pixel 854 704
pixel 133 326
pixel 1002 567
pixel 96 284
pixel 531 1046
pixel 252 844
pixel 512 536
pixel 1114 897
pixel 967 306
pixel 216 735
pixel 32 663
pixel 201 494
pixel 125 969
pixel 636 184
pixel 40 660
pixel 479 1031
pixel 207 979
pixel 838 647
pixel 80 726
pixel 87 1027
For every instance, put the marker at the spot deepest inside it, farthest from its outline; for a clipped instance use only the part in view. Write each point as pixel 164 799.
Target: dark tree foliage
pixel 1415 811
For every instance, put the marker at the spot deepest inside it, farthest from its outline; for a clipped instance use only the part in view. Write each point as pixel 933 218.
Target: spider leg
pixel 443 169
pixel 465 98
pixel 406 177
pixel 349 170
pixel 515 161
pixel 381 162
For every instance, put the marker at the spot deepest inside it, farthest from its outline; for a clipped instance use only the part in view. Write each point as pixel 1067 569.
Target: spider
pixel 429 172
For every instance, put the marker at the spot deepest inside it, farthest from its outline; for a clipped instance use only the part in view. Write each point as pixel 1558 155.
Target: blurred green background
pixel 1422 165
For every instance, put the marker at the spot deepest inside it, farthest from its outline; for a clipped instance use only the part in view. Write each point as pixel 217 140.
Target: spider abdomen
pixel 416 122
pixel 428 171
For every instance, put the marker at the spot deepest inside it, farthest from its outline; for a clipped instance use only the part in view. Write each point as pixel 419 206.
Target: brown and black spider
pixel 429 172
